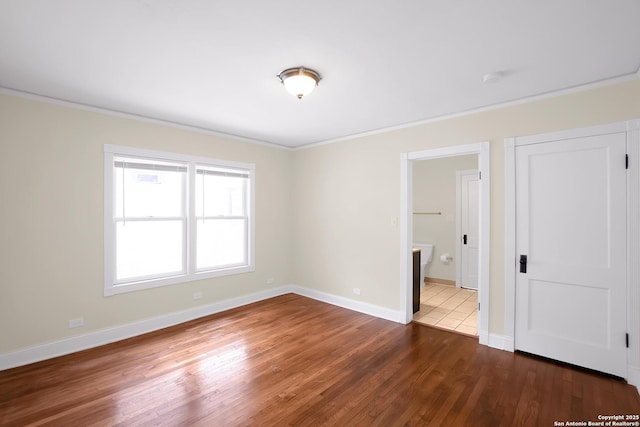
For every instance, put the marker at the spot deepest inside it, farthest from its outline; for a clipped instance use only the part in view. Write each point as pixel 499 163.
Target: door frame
pixel 632 129
pixel 482 149
pixel 459 205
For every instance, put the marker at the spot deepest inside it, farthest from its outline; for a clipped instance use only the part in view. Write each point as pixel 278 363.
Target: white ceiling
pixel 213 64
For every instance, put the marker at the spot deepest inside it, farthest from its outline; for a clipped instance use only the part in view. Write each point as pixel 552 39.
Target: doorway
pixel 445 229
pixel 407 160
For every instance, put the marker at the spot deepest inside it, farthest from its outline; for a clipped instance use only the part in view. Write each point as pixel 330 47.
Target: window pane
pixel 221 242
pixel 142 191
pixel 218 195
pixel 148 248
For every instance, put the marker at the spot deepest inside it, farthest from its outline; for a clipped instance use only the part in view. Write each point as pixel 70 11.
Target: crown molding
pixel 513 102
pixel 136 117
pixel 574 89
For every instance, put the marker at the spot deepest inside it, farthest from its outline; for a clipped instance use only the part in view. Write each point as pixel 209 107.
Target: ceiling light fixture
pixel 299 81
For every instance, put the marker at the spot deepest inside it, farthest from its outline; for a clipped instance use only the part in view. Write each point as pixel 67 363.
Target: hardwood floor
pixel 291 360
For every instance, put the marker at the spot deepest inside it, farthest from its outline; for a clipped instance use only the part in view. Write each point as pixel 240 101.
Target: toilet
pixel 426 256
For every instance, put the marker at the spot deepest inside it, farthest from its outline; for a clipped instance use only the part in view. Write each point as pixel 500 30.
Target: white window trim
pixel 110 287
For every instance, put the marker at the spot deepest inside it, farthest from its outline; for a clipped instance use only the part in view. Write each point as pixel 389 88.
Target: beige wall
pixel 326 216
pixel 347 194
pixel 434 190
pixel 51 221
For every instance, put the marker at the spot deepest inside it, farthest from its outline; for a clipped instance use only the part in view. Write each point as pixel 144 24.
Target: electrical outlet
pixel 76 323
pixel 270 281
pixel 356 291
pixel 197 295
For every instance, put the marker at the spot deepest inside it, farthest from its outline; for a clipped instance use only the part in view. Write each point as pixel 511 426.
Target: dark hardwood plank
pixel 291 360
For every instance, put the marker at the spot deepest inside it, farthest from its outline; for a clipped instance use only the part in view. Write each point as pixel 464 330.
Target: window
pixel 172 218
pixel 221 215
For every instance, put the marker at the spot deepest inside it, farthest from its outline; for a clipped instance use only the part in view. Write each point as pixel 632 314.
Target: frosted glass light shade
pixel 299 85
pixel 299 81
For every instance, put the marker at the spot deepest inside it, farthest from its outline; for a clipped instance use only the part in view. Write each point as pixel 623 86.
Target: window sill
pixel 111 290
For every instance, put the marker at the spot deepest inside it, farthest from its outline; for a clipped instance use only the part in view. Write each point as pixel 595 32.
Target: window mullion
pixel 124 214
pixel 190 205
pixel 185 224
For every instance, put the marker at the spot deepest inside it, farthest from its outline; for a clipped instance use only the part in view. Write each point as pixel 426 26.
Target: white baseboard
pixel 359 306
pixel 108 335
pixel 77 343
pixel 483 337
pixel 500 342
pixel 633 374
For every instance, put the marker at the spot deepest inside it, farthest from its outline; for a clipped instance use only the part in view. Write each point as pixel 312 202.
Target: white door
pixel 571 226
pixel 468 194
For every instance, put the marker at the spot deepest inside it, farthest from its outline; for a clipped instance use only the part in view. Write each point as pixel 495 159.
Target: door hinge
pixel 480 175
pixel 627 340
pixel 478 306
pixel 626 161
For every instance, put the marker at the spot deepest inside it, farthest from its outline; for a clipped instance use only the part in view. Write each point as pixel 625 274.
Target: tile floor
pixel 448 307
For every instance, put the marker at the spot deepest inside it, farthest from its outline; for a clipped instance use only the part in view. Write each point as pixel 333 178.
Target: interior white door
pixel 469 229
pixel 571 226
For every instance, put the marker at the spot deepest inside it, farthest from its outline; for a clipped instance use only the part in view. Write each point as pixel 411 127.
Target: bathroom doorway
pixel 443 264
pixel 445 229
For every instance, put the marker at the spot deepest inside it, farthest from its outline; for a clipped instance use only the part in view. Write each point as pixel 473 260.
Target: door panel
pixel 571 224
pixel 572 322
